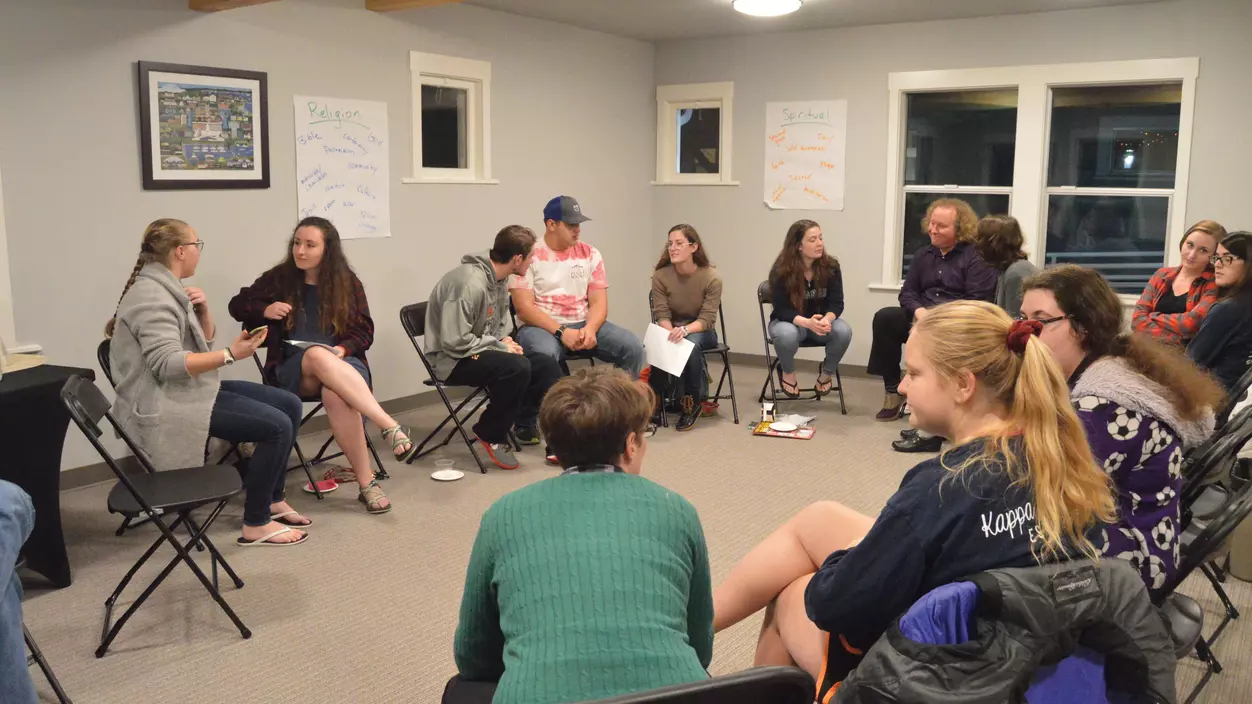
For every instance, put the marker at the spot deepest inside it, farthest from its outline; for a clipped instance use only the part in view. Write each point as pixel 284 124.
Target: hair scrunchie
pixel 1020 332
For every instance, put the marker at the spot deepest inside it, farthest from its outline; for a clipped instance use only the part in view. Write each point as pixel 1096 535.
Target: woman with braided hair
pixel 1141 402
pixel 1017 488
pixel 169 396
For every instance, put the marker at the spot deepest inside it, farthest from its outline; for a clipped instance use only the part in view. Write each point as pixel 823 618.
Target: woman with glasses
pixel 169 396
pixel 1177 298
pixel 686 295
pixel 1141 402
pixel 1224 343
pixel 807 287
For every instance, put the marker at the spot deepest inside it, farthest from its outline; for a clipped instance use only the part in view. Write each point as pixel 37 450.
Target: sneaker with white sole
pixel 500 453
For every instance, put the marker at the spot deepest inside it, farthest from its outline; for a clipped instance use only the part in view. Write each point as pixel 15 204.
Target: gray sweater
pixel 1009 287
pixel 159 403
pixel 466 314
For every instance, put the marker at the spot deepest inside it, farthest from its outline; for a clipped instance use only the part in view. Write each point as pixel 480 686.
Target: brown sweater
pixel 686 299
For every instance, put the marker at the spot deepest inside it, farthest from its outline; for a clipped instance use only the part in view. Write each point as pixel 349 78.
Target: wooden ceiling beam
pixel 219 5
pixel 392 5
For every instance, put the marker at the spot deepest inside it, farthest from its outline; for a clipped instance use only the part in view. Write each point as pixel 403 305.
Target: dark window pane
pixel 443 127
pixel 1122 237
pixel 963 138
pixel 915 205
pixel 1115 136
pixel 699 132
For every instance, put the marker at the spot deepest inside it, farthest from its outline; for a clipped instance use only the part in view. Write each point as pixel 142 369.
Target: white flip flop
pixel 264 541
pixel 284 514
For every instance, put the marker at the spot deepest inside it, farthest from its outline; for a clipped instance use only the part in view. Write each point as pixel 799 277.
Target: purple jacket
pixel 1138 437
pixel 935 278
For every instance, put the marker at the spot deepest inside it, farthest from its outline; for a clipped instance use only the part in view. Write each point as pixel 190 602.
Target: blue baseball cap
pixel 564 209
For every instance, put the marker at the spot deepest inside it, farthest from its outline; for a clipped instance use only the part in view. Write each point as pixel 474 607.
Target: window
pixel 1091 159
pixel 451 119
pixel 693 134
pixel 959 144
pixel 1112 164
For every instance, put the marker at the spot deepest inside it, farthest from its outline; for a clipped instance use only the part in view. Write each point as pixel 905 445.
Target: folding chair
pixel 1235 395
pixel 721 350
pixel 413 320
pixel 764 298
pixel 1184 618
pixel 35 657
pixel 156 494
pixel 306 464
pixel 776 685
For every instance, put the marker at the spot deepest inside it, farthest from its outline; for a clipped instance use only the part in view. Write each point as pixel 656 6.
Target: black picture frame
pixel 227 148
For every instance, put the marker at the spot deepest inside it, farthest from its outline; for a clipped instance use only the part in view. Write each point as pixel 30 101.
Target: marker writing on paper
pixel 350 138
pixel 313 178
pixel 336 117
pixel 309 137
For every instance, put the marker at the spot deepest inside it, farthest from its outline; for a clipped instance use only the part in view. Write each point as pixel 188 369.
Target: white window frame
pixel 670 99
pixel 475 78
pixel 1028 196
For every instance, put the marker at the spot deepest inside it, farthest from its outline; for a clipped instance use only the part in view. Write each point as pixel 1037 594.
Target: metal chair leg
pixel 36 657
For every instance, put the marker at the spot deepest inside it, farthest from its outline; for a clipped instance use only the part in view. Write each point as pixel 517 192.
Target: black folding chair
pixel 306 464
pixel 1234 396
pixel 35 657
pixel 413 320
pixel 722 350
pixel 764 298
pixel 155 494
pixel 775 685
pixel 1183 616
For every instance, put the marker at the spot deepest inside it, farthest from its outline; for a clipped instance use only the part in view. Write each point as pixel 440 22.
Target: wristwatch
pixel 560 331
pixel 227 358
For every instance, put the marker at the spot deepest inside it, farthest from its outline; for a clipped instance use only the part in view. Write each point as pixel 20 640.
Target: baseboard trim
pixel 87 475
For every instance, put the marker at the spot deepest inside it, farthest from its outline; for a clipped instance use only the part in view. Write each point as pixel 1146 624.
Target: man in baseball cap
pixel 563 301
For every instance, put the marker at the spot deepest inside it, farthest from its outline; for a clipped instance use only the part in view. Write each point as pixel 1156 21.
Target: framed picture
pixel 202 127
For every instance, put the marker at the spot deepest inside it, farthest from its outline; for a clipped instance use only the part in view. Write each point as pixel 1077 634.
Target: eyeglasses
pixel 677 245
pixel 198 244
pixel 1224 259
pixel 1044 321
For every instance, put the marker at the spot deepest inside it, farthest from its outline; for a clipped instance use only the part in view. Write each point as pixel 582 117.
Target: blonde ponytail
pixel 1071 492
pixel 159 239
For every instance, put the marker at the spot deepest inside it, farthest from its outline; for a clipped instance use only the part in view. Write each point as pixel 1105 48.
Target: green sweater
pixel 586 586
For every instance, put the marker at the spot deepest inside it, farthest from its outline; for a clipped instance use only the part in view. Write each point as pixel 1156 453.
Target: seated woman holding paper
pixel 686 294
pixel 169 396
pixel 807 304
pixel 319 328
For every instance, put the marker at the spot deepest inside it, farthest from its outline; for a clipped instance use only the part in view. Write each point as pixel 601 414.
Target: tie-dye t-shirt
pixel 561 280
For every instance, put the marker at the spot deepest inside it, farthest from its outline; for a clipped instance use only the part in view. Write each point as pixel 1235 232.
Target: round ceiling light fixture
pixel 766 8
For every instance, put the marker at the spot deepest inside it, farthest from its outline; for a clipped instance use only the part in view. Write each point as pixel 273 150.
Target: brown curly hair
pixel 1000 241
pixel 966 218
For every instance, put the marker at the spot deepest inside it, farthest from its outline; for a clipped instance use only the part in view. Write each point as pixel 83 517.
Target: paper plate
pixel 782 427
pixel 447 475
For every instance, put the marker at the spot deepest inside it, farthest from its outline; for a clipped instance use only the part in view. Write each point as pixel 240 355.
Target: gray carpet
pixel 365 611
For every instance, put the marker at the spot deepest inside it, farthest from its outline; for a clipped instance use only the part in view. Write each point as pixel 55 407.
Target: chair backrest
pixel 1222 449
pixel 1210 539
pixel 413 320
pixel 87 406
pixel 765 298
pixel 102 358
pixel 1236 394
pixel 776 685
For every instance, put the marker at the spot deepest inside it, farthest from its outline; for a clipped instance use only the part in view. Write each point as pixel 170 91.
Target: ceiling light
pixel 766 8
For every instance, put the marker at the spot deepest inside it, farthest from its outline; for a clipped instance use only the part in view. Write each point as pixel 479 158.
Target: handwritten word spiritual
pixel 313 179
pixel 815 193
pixel 337 117
pixel 777 139
pixel 791 117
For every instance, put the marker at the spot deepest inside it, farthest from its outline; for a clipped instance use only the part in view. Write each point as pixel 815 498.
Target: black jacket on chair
pixel 1027 618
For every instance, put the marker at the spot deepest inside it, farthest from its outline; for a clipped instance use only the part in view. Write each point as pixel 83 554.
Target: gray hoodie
pixel 466 314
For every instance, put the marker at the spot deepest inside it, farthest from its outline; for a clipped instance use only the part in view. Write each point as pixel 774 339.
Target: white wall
pixel 743 236
pixel 573 114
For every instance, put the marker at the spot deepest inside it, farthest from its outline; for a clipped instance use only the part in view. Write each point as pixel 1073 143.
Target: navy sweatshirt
pixel 820 297
pixel 927 535
pixel 1224 343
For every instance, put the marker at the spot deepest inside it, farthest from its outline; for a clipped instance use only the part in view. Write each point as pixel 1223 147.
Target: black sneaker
pixel 690 414
pixel 526 436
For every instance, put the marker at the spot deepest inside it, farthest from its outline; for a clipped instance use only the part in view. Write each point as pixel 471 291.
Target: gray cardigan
pixel 1009 287
pixel 159 403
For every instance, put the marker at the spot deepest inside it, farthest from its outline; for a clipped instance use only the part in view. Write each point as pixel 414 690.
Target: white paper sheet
pixel 805 144
pixel 341 164
pixel 663 354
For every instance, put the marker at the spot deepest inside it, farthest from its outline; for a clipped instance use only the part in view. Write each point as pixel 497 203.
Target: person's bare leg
pixel 770 649
pixel 321 367
pixel 345 423
pixel 802 641
pixel 796 549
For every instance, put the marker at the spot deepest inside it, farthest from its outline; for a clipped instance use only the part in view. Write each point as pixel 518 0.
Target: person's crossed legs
pixel 507 377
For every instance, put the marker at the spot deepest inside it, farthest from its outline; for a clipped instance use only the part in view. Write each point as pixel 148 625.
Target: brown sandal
pixel 371 496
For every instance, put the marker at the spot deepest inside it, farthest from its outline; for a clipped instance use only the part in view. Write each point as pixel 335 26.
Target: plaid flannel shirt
pixel 1177 328
pixel 248 307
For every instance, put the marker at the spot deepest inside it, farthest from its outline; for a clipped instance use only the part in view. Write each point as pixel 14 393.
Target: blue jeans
pixel 694 380
pixel 615 345
pixel 787 339
pixel 250 412
pixel 17 518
